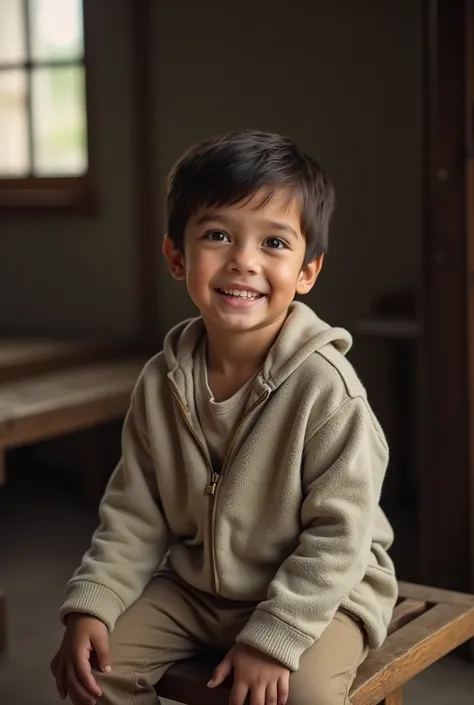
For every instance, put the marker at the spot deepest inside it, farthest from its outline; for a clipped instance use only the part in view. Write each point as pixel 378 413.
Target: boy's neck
pixel 234 357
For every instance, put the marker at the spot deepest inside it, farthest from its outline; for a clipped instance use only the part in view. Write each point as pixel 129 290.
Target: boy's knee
pixel 124 665
pixel 116 686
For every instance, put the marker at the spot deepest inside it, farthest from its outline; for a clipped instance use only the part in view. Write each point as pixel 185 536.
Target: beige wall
pixel 78 275
pixel 344 79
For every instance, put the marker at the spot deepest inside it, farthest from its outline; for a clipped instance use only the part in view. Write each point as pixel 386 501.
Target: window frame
pixel 56 194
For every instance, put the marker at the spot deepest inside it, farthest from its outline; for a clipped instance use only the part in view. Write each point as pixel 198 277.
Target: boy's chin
pixel 233 321
pixel 238 323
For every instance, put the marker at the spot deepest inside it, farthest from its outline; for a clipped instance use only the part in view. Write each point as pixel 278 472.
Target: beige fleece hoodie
pixel 292 521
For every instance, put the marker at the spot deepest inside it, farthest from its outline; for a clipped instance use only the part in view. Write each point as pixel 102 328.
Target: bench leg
pixel 394 698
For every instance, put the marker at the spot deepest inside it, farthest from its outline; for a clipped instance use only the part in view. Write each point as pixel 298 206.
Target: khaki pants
pixel 172 621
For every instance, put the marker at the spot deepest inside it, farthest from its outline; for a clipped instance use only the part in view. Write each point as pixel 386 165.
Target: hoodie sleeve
pixel 133 535
pixel 343 469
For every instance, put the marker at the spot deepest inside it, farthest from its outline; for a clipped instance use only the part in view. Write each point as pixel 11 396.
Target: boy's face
pixel 243 264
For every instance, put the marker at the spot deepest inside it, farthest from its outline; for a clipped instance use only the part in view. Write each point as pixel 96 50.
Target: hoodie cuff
pixel 276 638
pixel 94 599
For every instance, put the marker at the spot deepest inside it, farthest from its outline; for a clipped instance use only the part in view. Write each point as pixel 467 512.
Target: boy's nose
pixel 244 260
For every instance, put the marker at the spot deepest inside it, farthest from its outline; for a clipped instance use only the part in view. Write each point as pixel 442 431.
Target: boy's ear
pixel 175 259
pixel 308 275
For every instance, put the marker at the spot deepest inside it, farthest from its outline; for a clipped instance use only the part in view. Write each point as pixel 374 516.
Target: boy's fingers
pixel 283 690
pixel 258 695
pixel 56 663
pixel 78 694
pixel 57 669
pixel 223 670
pixel 271 696
pixel 61 681
pixel 83 670
pixel 101 648
pixel 238 693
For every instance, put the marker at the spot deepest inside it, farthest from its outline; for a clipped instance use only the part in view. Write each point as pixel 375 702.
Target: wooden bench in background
pixel 25 357
pixel 427 624
pixel 56 403
pixel 52 388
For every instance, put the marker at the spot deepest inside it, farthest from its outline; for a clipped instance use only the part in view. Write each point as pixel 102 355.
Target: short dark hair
pixel 231 168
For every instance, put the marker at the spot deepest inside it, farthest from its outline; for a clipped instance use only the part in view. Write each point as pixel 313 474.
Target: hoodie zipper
pixel 211 488
pixel 183 410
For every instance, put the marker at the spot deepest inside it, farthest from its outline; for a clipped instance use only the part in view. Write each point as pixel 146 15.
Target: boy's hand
pixel 71 666
pixel 257 675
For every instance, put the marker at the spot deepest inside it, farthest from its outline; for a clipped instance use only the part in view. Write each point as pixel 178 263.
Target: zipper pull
pixel 211 488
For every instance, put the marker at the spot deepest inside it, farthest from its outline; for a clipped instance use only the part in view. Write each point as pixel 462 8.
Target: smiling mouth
pixel 244 294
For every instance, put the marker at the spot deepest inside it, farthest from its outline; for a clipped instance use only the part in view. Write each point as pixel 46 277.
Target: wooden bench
pixel 25 357
pixel 50 404
pixel 427 624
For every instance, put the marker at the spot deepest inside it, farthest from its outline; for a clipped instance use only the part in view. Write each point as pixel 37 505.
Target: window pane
pixel 56 29
pixel 12 33
pixel 13 124
pixel 59 121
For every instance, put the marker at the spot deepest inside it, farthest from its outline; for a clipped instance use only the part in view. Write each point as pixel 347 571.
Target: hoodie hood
pixel 302 334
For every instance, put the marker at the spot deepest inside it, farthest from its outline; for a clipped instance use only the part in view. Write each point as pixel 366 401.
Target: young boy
pixel 244 515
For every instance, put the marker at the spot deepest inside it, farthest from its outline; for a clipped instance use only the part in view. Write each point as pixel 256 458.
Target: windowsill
pixel 33 196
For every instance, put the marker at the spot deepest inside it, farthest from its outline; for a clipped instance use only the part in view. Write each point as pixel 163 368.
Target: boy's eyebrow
pixel 212 218
pixel 282 227
pixel 221 217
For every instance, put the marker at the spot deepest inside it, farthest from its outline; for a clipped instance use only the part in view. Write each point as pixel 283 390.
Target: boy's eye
pixel 217 236
pixel 275 243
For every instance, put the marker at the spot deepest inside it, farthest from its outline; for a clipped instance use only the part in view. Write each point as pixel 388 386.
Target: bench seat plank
pixel 433 595
pixel 404 612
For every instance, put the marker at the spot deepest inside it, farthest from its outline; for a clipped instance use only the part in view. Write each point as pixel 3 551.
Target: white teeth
pixel 241 293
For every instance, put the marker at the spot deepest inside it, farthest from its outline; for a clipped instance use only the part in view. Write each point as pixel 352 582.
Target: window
pixel 44 158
